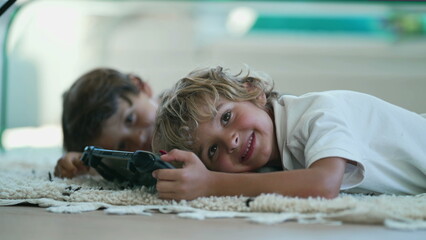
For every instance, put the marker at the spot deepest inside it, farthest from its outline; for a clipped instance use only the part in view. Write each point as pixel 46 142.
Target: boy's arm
pixel 322 179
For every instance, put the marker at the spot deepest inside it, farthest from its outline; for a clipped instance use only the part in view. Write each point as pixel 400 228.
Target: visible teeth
pixel 248 147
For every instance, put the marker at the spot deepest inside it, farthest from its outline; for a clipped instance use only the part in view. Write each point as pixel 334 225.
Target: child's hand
pixel 70 165
pixel 189 182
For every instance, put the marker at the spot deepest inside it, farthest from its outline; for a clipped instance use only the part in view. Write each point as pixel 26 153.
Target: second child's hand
pixel 189 182
pixel 70 165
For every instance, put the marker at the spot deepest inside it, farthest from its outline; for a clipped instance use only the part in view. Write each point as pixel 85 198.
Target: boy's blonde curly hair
pixel 194 98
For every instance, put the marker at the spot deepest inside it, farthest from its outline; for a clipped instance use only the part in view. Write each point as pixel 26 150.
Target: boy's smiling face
pixel 240 138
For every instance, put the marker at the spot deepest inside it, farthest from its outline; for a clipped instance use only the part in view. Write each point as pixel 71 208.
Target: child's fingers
pixel 166 186
pixel 167 196
pixel 70 165
pixel 179 156
pixel 80 165
pixel 62 172
pixel 169 190
pixel 166 174
pixel 65 167
pixel 58 171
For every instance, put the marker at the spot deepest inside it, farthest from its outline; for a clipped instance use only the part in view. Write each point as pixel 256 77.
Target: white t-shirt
pixel 386 143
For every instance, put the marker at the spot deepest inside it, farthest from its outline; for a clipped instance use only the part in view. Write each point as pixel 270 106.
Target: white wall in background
pixel 54 42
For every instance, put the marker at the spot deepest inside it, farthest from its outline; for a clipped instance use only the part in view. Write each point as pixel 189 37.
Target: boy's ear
pixel 142 85
pixel 261 99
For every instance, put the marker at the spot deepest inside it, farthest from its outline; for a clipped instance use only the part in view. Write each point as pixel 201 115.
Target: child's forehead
pixel 209 110
pixel 207 114
pixel 219 104
pixel 129 97
pixel 204 108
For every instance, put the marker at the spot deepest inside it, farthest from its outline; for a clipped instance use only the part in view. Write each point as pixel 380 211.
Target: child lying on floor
pixel 223 128
pixel 108 109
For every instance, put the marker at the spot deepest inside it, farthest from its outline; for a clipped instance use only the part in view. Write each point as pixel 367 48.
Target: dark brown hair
pixel 91 100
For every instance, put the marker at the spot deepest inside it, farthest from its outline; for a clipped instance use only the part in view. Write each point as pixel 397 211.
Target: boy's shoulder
pixel 324 96
pixel 333 102
pixel 311 98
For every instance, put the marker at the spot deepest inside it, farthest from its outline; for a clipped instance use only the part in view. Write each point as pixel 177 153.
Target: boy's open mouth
pixel 248 148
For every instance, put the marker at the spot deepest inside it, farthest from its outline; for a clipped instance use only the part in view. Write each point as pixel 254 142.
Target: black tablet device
pixel 134 168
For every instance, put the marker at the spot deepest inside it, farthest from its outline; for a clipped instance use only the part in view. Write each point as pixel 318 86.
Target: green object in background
pixel 395 24
pixel 409 24
pixel 321 24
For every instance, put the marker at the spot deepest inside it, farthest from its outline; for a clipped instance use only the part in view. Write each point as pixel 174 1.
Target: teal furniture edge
pixel 5 74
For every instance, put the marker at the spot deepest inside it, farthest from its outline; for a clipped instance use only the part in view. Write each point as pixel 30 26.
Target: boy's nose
pixel 233 142
pixel 141 139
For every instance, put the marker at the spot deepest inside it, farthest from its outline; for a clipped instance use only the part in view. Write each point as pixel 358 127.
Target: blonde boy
pixel 229 127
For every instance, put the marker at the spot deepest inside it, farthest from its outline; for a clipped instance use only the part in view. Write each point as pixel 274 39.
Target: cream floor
pixel 27 222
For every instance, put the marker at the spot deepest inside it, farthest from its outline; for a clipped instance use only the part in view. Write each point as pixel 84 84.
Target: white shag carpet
pixel 28 178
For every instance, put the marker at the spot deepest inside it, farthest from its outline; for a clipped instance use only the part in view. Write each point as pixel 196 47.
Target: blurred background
pixel 376 47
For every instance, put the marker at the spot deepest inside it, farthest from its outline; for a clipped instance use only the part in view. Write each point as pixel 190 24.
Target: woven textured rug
pixel 32 182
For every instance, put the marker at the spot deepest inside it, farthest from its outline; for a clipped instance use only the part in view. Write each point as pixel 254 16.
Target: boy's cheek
pixel 222 165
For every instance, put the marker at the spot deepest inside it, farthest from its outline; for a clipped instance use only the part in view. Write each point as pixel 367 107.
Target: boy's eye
pixel 226 117
pixel 212 151
pixel 130 118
